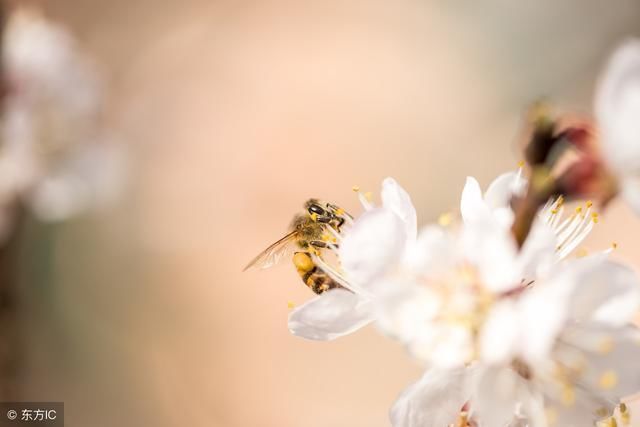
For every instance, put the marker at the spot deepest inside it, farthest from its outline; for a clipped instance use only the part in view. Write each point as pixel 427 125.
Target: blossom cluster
pixel 57 157
pixel 515 327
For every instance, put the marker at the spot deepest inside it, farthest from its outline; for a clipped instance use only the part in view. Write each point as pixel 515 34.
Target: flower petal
pixel 617 107
pixel 433 253
pixel 496 397
pixel 335 313
pixel 607 358
pixel 374 243
pixel 538 254
pixel 604 291
pixel 503 188
pixel 434 401
pixel 500 333
pixel 404 310
pixel 472 204
pixel 492 250
pixel 396 199
pixel 631 192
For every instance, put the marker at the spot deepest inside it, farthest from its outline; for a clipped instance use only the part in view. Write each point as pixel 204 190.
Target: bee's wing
pixel 273 253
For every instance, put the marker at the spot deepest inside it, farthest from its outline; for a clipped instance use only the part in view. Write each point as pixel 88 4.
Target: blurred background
pixel 236 112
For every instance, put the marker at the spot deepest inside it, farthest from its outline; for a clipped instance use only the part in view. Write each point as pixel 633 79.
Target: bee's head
pixel 314 207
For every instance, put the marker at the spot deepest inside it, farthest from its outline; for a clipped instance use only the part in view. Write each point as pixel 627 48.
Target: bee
pixel 310 235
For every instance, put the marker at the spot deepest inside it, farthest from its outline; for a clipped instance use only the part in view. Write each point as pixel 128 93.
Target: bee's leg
pixel 324 219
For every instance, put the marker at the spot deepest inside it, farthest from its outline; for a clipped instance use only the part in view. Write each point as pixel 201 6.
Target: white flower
pixel 580 373
pixel 617 108
pixel 557 354
pixel 470 297
pixel 55 156
pixel 371 245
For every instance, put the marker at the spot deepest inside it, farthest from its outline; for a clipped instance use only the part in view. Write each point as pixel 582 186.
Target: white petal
pixel 604 291
pixel 374 243
pixel 405 310
pixel 617 107
pixel 331 315
pixel 472 204
pixel 500 333
pixel 396 199
pixel 433 253
pixel 538 254
pixel 449 346
pixel 434 401
pixel 631 192
pixel 492 250
pixel 503 188
pixel 496 397
pixel 608 358
pixel 543 311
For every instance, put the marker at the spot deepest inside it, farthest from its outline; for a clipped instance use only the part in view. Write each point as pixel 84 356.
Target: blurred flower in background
pixel 617 107
pixel 57 157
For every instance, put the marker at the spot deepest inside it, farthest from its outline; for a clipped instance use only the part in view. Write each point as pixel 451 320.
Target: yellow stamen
pixel 594 217
pixel 560 201
pixel 606 345
pixel 614 245
pixel 579 209
pixel 290 305
pixel 568 396
pixel 521 164
pixel 589 203
pixel 554 211
pixel 445 219
pixel 355 188
pixel 463 419
pixel 368 195
pixel 625 414
pixel 582 252
pixel 551 415
pixel 608 380
pixel 602 412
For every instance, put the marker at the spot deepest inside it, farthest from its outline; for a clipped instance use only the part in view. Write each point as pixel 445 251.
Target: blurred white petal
pixel 492 250
pixel 617 107
pixel 495 399
pixel 503 188
pixel 607 357
pixel 374 243
pixel 472 204
pixel 333 314
pixel 434 401
pixel 631 192
pixel 404 310
pixel 396 199
pixel 603 291
pixel 500 334
pixel 433 253
pixel 538 253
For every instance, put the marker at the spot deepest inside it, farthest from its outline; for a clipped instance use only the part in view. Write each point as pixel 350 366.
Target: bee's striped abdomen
pixel 312 275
